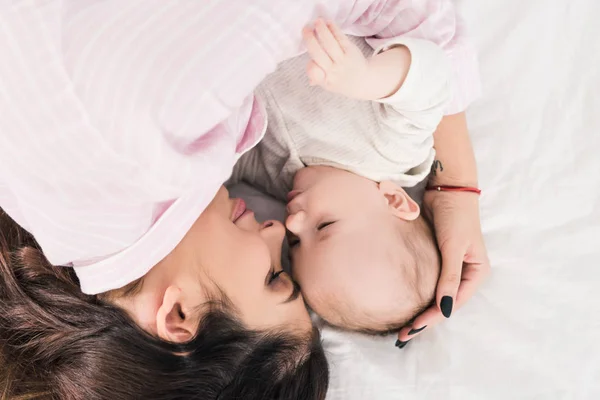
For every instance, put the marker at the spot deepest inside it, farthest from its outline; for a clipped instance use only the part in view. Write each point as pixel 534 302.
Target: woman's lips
pixel 238 209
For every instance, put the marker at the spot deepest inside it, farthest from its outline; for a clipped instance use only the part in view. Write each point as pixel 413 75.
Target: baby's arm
pixel 409 78
pixel 339 66
pixel 411 75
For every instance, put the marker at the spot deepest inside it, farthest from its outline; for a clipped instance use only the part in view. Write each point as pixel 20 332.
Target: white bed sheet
pixel 532 331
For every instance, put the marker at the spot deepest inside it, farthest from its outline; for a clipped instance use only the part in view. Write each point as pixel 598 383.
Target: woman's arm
pixel 455 216
pixel 455 161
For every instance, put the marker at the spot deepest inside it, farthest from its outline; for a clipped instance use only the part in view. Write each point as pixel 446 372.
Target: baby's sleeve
pixel 408 118
pixel 426 88
pixel 435 20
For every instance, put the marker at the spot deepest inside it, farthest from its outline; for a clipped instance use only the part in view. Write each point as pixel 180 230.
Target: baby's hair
pixel 58 343
pixel 367 320
pixel 425 294
pixel 420 241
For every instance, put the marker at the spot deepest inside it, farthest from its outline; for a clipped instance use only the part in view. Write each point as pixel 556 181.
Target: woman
pixel 249 337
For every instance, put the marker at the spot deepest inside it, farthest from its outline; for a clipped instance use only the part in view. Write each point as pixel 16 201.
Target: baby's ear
pixel 401 204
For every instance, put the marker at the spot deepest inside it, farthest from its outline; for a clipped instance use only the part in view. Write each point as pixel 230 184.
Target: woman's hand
pixel 465 263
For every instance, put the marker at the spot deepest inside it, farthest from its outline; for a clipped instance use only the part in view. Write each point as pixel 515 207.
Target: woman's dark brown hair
pixel 58 343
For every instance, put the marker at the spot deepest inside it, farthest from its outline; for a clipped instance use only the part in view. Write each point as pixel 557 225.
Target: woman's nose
pixel 272 229
pixel 273 233
pixel 295 222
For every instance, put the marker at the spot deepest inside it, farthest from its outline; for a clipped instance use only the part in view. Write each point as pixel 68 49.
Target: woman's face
pixel 226 251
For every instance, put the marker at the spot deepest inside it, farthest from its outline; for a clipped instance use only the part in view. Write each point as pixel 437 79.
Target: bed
pixel 532 331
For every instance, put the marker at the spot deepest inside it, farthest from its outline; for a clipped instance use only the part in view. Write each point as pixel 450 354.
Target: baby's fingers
pixel 328 41
pixel 339 36
pixel 316 76
pixel 315 50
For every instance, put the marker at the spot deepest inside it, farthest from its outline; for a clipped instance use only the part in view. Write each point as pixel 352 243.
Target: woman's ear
pixel 401 204
pixel 172 324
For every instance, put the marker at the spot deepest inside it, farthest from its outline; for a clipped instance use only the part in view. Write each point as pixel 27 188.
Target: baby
pixel 364 256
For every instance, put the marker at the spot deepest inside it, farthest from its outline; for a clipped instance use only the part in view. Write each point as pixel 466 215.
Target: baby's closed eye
pixel 324 225
pixel 294 240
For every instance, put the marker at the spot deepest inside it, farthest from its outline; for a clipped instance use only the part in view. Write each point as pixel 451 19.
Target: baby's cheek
pixel 305 273
pixel 314 295
pixel 313 284
pixel 298 271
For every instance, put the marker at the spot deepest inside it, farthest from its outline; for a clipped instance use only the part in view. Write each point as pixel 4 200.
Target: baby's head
pixel 365 258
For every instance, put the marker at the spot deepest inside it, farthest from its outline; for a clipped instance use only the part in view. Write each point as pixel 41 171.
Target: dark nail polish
pixel 413 331
pixel 400 344
pixel 446 306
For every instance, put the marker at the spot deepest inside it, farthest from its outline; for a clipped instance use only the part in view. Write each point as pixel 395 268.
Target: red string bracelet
pixel 454 189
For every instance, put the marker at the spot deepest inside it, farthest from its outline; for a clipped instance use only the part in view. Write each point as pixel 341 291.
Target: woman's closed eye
pixel 273 279
pixel 273 276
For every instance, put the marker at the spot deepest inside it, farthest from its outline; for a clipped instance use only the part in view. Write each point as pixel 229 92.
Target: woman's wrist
pixel 435 201
pixel 447 179
pixel 449 188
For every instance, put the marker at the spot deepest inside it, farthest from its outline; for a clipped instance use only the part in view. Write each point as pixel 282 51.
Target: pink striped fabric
pixel 120 119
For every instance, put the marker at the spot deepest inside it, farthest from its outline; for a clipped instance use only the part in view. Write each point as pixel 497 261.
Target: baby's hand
pixel 337 64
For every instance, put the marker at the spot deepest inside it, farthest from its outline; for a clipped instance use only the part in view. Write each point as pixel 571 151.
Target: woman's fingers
pixel 447 288
pixel 315 50
pixel 472 277
pixel 430 317
pixel 328 41
pixel 450 277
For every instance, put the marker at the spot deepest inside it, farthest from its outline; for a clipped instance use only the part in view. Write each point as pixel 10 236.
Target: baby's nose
pixel 295 222
pixel 292 207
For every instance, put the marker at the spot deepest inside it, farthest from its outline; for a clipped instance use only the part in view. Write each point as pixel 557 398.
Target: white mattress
pixel 533 330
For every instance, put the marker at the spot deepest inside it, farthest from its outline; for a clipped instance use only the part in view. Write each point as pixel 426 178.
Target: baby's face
pixel 345 245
